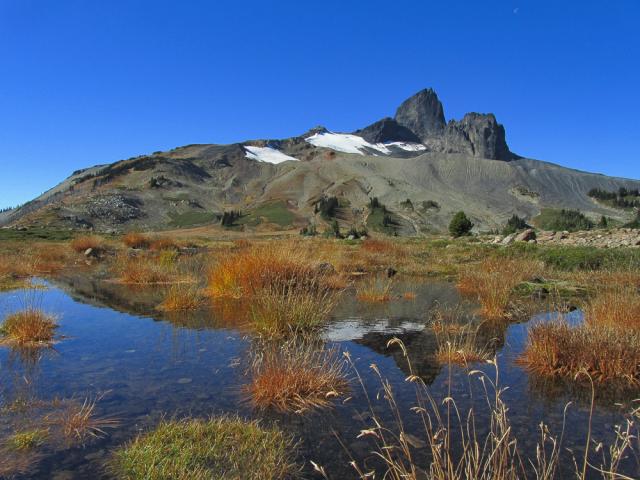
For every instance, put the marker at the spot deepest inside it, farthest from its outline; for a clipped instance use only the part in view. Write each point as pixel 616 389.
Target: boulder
pixel 509 239
pixel 526 235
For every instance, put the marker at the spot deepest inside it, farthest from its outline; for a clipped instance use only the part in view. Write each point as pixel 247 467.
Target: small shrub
pixel 460 225
pixel 514 224
pixel 224 447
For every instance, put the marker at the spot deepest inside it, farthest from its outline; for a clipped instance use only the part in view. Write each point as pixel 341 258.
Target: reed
pixel 296 376
pixel 452 446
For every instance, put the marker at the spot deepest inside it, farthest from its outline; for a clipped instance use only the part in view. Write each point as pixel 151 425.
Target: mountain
pixel 421 167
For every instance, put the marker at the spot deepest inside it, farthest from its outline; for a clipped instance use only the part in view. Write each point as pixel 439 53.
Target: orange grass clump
pixel 457 337
pixel 29 327
pixel 143 269
pixel 136 240
pixel 375 289
pixel 492 280
pixel 555 349
pixel 163 243
pixel 247 272
pixel 182 297
pixel 617 307
pixel 82 244
pixel 296 378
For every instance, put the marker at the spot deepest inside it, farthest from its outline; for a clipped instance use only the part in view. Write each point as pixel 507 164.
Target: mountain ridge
pixel 417 156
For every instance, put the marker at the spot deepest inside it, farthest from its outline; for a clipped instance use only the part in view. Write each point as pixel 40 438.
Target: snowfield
pixel 268 155
pixel 347 143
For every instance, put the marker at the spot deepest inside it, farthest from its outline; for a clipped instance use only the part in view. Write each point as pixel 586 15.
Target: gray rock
pixel 526 235
pixel 479 135
pixel 509 239
pixel 422 114
pixel 387 130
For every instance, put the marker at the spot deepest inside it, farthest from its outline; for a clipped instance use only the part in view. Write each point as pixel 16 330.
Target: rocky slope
pixel 439 167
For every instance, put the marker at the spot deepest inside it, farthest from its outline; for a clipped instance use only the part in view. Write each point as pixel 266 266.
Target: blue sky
pixel 87 82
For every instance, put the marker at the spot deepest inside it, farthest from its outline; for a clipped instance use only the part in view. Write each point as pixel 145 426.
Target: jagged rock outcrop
pixel 478 135
pixel 423 114
pixel 420 119
pixel 387 130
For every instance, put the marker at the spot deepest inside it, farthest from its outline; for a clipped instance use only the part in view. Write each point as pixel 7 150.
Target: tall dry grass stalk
pixel 296 376
pixel 454 447
pixel 78 423
pixel 493 279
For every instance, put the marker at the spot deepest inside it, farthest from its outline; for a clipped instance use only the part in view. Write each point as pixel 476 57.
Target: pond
pixel 141 366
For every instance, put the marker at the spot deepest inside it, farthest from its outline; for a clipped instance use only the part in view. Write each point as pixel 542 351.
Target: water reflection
pixel 155 364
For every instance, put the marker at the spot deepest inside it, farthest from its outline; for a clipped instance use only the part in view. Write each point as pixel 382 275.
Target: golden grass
pixel 283 308
pixel 296 377
pixel 149 268
pixel 607 354
pixel 136 240
pixel 247 272
pixel 452 446
pixel 163 243
pixel 375 289
pixel 617 306
pixel 492 281
pixel 192 449
pixel 82 244
pixel 29 327
pixel 182 297
pixel 457 337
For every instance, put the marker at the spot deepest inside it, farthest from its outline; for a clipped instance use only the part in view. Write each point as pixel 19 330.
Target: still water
pixel 143 366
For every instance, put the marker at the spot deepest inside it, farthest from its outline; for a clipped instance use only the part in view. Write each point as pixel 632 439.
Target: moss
pixel 222 448
pixel 28 439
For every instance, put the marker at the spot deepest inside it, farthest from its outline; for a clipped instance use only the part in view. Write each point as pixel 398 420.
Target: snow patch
pixel 268 155
pixel 348 143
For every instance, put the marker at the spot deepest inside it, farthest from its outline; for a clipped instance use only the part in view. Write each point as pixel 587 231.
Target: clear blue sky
pixel 89 81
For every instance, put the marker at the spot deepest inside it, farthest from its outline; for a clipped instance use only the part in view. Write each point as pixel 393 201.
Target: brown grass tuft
pixel 457 337
pixel 375 289
pixel 163 243
pixel 29 327
pixel 79 423
pixel 555 349
pixel 136 240
pixel 81 244
pixel 182 297
pixel 617 307
pixel 296 377
pixel 492 280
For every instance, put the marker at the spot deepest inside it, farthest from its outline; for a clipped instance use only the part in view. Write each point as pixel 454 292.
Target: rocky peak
pixel 479 135
pixel 387 130
pixel 422 114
